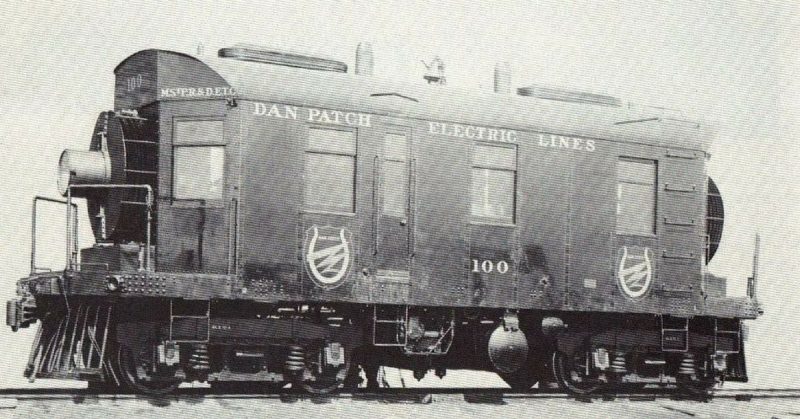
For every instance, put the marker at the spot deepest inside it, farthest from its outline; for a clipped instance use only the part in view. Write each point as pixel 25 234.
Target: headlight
pixel 113 283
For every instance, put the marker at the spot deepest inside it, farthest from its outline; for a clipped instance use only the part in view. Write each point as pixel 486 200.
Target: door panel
pixel 195 188
pixel 441 207
pixel 393 214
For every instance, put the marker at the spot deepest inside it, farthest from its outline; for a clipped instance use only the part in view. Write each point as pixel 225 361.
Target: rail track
pixel 405 395
pixel 400 403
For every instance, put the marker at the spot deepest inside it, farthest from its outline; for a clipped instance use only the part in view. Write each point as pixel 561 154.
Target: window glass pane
pixel 495 157
pixel 636 171
pixel 635 208
pixel 395 188
pixel 333 141
pixel 493 193
pixel 199 172
pixel 636 196
pixel 198 132
pixel 396 147
pixel 329 182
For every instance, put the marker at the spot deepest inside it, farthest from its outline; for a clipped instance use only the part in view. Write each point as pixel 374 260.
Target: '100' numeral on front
pixel 488 266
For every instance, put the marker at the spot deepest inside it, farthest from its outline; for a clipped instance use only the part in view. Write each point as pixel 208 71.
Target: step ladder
pixel 189 322
pixel 389 326
pixel 674 334
pixel 727 336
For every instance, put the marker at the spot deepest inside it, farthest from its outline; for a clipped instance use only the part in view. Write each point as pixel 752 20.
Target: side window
pixel 494 176
pixel 636 196
pixel 198 160
pixel 330 170
pixel 395 169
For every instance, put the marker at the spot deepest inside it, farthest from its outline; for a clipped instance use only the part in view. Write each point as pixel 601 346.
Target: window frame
pixel 653 231
pixel 177 143
pixel 307 149
pixel 488 220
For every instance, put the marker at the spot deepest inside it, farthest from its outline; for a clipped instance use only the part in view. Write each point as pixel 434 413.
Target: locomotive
pixel 267 218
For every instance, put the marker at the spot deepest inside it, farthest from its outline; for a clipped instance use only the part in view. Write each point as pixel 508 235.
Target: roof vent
pixel 364 60
pixel 502 78
pixel 266 55
pixel 564 95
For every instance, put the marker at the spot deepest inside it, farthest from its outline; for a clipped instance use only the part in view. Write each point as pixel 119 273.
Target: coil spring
pixel 687 366
pixel 618 364
pixel 295 359
pixel 199 359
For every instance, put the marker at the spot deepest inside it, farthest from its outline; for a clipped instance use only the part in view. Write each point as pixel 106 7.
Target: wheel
pixel 321 376
pixel 103 387
pixel 135 368
pixel 246 387
pixel 699 383
pixel 570 374
pixel 521 381
pixel 695 387
pixel 525 378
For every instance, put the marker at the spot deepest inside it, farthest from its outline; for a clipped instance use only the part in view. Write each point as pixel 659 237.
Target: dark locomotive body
pixel 304 223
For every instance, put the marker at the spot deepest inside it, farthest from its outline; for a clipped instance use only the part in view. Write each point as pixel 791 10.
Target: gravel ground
pixel 437 406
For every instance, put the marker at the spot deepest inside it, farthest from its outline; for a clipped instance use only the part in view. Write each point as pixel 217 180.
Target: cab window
pixel 494 175
pixel 636 196
pixel 198 160
pixel 330 170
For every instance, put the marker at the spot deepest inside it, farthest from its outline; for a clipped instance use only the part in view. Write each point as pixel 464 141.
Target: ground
pixel 438 406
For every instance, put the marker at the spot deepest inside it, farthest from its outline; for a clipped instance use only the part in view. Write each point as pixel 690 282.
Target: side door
pixel 195 201
pixel 393 214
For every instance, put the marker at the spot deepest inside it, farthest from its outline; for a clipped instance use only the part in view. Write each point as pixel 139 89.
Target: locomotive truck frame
pixel 267 218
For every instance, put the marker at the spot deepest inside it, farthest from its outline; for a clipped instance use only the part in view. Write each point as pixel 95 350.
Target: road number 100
pixel 487 266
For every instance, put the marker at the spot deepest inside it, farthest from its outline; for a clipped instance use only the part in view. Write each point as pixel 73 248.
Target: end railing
pixel 72 240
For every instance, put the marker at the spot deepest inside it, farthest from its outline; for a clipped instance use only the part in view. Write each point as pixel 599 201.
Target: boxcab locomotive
pixel 266 218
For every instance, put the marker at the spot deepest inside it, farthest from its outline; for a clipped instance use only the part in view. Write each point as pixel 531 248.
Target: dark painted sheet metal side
pixel 543 200
pixel 591 223
pixel 441 207
pixel 271 194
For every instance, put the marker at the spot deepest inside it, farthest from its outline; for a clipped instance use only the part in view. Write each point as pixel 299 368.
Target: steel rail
pixel 469 394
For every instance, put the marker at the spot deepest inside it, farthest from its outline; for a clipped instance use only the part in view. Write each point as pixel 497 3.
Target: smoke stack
pixel 502 78
pixel 364 62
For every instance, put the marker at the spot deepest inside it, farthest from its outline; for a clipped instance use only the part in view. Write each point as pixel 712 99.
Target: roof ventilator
pixel 266 55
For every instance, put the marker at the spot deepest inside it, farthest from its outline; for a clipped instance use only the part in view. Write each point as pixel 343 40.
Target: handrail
pixel 36 199
pixel 233 237
pixel 148 202
pixel 753 280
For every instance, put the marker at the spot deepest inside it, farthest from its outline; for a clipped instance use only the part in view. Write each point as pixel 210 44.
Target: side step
pixel 674 334
pixel 389 325
pixel 189 322
pixel 727 335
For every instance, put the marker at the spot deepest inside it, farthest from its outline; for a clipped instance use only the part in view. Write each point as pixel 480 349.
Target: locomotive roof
pixel 369 94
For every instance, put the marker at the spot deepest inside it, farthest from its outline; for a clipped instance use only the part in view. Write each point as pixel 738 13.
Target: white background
pixel 731 63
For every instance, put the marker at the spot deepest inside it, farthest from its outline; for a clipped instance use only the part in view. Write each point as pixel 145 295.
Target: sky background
pixel 734 64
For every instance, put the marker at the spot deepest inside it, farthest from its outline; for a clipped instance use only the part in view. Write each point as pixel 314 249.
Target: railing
pixel 752 282
pixel 72 248
pixel 74 223
pixel 233 237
